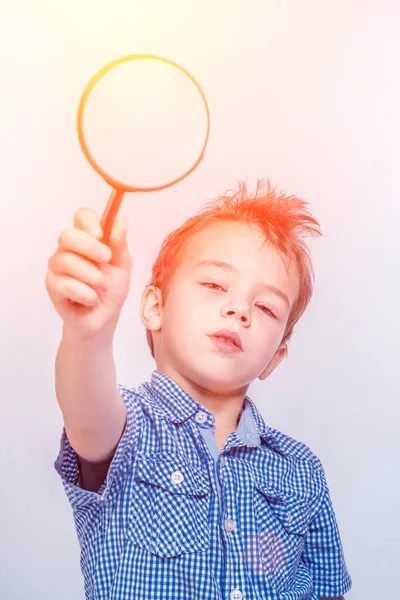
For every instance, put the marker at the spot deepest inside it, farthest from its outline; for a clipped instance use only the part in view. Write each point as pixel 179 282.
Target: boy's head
pixel 260 296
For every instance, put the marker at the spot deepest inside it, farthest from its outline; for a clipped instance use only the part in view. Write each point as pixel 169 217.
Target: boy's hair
pixel 284 220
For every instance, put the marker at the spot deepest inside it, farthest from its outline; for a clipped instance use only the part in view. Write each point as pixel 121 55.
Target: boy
pixel 179 489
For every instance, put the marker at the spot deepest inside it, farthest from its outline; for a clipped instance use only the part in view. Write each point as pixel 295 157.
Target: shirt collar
pixel 178 406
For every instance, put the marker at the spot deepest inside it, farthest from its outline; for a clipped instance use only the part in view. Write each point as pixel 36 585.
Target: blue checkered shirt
pixel 176 520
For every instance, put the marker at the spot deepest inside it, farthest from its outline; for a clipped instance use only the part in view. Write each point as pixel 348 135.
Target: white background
pixel 303 92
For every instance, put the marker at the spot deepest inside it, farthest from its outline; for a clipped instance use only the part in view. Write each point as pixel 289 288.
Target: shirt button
pixel 236 595
pixel 201 417
pixel 289 518
pixel 176 477
pixel 230 525
pixel 222 460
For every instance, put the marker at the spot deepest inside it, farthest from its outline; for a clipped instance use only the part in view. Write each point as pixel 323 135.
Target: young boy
pixel 179 489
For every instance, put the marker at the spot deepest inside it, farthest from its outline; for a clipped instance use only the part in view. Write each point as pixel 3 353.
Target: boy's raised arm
pixel 86 388
pixel 88 283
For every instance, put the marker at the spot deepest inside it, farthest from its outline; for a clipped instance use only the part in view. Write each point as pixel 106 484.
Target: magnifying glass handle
pixel 110 213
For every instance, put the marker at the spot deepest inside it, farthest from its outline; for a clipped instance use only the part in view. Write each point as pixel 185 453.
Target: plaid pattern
pixel 176 520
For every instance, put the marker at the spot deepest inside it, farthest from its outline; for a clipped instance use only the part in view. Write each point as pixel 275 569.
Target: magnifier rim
pixel 113 182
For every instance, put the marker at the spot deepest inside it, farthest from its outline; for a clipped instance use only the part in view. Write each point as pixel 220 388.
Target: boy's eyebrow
pixel 224 265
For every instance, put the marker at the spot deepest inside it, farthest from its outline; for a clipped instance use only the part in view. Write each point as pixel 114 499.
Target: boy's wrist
pixel 78 336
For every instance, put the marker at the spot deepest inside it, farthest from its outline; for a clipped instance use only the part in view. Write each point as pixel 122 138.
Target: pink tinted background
pixel 305 93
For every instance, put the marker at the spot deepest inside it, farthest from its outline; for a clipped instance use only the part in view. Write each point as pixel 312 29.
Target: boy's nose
pixel 241 312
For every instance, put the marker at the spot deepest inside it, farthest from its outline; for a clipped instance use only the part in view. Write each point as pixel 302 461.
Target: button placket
pixel 228 569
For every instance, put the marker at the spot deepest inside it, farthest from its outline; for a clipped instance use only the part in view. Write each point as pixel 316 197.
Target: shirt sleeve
pixel 67 467
pixel 323 552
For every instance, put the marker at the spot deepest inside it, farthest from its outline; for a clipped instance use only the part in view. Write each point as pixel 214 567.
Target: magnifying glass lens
pixel 144 123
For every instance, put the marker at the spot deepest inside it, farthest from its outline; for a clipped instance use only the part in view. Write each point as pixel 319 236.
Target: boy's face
pixel 205 299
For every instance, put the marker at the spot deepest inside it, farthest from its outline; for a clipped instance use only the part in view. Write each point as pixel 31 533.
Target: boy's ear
pixel 151 308
pixel 279 355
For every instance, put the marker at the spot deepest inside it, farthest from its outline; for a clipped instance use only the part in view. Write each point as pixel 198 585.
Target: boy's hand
pixel 78 270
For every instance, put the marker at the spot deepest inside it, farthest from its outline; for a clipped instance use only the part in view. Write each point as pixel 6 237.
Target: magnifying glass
pixel 143 124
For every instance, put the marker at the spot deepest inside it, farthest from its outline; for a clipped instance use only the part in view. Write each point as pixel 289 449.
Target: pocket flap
pixel 171 474
pixel 293 515
pixel 292 511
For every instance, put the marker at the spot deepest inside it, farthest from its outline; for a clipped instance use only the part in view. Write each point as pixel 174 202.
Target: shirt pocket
pixel 168 514
pixel 282 526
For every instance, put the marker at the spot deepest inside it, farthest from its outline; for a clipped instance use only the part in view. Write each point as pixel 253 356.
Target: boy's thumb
pixel 118 243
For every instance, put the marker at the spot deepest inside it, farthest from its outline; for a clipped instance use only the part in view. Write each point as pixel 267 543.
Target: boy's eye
pixel 268 311
pixel 208 283
pixel 264 309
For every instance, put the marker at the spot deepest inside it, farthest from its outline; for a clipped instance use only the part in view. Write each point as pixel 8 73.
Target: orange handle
pixel 110 213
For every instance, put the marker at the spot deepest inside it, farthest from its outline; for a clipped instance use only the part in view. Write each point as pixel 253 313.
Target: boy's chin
pixel 219 378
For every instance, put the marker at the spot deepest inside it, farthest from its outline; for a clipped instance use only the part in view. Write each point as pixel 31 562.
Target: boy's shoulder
pixel 284 443
pixel 294 447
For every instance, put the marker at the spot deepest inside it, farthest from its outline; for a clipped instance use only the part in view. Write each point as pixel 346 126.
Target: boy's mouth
pixel 227 347
pixel 229 337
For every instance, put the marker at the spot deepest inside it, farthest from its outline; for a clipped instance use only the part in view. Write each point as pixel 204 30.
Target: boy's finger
pixel 87 220
pixel 118 244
